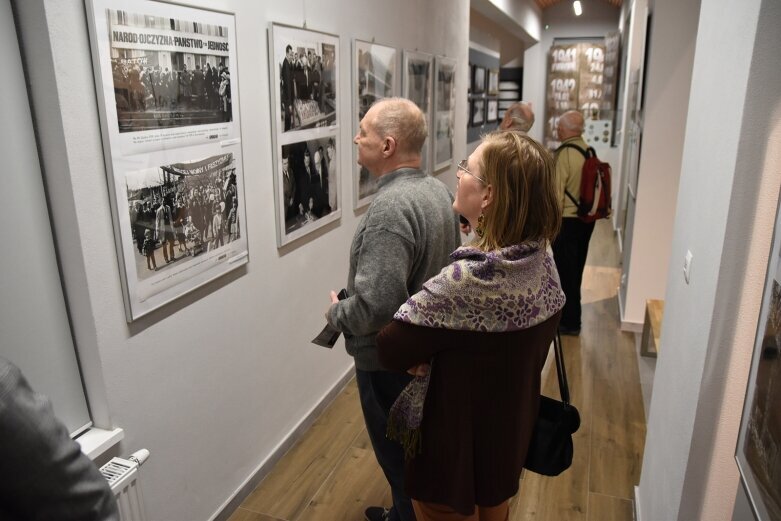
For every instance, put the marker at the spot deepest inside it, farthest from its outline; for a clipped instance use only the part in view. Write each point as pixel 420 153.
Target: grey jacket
pixel 404 239
pixel 43 473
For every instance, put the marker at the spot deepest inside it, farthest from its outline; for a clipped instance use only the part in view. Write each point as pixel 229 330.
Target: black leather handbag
pixel 550 451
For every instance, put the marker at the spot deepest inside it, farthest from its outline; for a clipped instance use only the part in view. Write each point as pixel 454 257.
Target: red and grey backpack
pixel 594 186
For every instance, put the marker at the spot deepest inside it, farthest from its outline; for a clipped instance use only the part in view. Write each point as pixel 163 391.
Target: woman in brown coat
pixel 484 324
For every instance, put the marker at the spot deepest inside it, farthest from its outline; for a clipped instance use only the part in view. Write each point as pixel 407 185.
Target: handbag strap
pixel 561 371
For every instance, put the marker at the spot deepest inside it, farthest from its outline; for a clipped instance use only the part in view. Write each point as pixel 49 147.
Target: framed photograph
pixel 478 112
pixel 374 78
pixel 491 110
pixel 478 79
pixel 166 80
pixel 758 452
pixel 444 111
pixel 418 77
pixel 493 82
pixel 305 114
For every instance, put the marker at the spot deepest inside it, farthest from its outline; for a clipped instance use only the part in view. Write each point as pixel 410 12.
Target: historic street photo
pixel 182 210
pixel 444 111
pixel 165 74
pixel 305 75
pixel 307 185
pixel 168 72
pixel 417 88
pixel 166 80
pixel 374 78
pixel 184 225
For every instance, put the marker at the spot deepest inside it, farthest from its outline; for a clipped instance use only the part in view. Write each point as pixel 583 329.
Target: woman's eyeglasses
pixel 462 166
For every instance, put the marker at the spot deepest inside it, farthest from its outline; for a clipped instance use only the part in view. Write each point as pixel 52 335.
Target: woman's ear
pixel 488 197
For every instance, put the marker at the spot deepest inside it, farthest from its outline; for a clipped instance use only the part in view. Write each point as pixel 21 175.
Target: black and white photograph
pixel 418 76
pixel 305 128
pixel 166 74
pixel 444 111
pixel 493 82
pixel 478 79
pixel 308 176
pixel 491 110
pixel 305 63
pixel 478 112
pixel 759 440
pixel 182 210
pixel 166 79
pixel 375 77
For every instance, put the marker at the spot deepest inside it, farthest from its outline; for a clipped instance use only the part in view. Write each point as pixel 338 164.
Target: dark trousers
pixel 569 251
pixel 378 390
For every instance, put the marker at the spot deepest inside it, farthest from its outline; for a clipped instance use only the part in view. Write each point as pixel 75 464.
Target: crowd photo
pixel 306 83
pixel 309 171
pixel 158 85
pixel 182 210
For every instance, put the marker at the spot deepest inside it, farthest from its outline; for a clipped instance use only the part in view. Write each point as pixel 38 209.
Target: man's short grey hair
pixel 402 120
pixel 518 117
pixel 573 121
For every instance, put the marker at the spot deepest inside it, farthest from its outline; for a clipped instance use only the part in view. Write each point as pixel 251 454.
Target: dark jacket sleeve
pixel 51 477
pixel 402 345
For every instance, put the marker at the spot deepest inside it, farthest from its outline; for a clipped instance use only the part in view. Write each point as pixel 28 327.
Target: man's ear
pixel 388 146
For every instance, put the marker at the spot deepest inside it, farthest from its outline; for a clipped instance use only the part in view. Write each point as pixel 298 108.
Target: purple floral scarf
pixel 510 289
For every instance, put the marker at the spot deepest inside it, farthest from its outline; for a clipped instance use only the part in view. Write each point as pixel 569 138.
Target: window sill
pixel 95 442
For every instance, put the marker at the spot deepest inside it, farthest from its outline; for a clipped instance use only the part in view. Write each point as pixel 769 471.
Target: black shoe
pixel 376 514
pixel 563 330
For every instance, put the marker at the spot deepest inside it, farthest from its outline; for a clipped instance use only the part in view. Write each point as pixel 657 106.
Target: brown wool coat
pixel 480 408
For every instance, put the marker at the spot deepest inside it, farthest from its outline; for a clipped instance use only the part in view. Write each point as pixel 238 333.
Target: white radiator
pixel 122 477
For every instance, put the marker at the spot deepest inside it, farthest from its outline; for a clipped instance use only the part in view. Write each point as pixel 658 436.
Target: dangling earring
pixel 480 229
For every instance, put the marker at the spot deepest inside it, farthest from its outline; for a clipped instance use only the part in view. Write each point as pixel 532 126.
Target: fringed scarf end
pixel 409 438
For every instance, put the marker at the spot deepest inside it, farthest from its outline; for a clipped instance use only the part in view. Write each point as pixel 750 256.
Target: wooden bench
pixel 652 328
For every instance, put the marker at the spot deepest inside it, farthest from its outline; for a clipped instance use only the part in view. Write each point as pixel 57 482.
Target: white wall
pixel 520 17
pixel 487 33
pixel 483 31
pixel 214 382
pixel 597 20
pixel 727 198
pixel 668 75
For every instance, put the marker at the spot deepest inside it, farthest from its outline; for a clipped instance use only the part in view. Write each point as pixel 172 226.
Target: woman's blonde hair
pixel 525 205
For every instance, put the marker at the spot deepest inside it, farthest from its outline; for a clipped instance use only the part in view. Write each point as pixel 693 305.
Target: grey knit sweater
pixel 404 239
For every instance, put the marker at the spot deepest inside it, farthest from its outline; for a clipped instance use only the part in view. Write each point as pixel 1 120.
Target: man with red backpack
pixel 584 191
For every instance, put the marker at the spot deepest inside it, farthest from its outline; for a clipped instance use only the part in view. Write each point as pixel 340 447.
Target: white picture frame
pixel 444 110
pixel 417 87
pixel 305 115
pixel 375 76
pixel 170 115
pixel 759 436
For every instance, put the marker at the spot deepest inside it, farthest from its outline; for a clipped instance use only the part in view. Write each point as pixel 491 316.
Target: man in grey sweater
pixel 405 238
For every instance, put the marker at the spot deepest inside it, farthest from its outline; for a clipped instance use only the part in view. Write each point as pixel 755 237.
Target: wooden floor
pixel 331 473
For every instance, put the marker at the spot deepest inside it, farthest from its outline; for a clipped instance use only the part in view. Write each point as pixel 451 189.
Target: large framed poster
pixel 304 72
pixel 374 78
pixel 444 111
pixel 166 80
pixel 417 88
pixel 758 452
pixel 579 80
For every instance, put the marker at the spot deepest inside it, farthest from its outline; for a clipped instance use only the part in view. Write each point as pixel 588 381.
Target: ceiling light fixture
pixel 577 7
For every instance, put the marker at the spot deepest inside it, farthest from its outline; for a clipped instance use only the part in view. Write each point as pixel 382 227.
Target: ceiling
pixel 547 3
